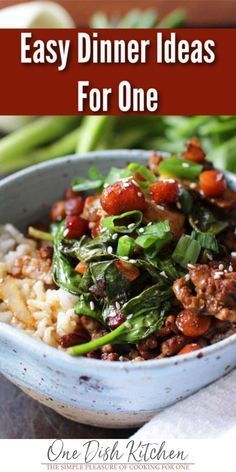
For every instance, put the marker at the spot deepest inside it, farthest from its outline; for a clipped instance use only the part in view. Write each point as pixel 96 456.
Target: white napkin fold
pixel 209 413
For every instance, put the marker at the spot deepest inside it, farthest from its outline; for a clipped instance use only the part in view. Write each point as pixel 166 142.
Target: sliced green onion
pixel 157 233
pixel 206 240
pixel 125 247
pixel 187 251
pixel 37 234
pixel 95 181
pixel 149 177
pixel 124 223
pixel 182 168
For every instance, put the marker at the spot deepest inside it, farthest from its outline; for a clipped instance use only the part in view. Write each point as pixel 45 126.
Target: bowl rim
pixel 57 355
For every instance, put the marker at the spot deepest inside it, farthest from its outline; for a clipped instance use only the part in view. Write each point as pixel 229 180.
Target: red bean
pixel 191 324
pixel 124 195
pixel 75 227
pixel 57 211
pixel 69 193
pixel 74 206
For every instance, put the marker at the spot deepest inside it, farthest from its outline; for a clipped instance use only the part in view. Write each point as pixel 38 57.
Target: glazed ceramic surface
pixel 91 391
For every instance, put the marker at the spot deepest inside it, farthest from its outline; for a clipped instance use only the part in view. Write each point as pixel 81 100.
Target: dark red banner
pixel 183 88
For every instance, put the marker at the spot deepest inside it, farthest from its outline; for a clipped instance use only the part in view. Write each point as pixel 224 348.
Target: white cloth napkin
pixel 209 413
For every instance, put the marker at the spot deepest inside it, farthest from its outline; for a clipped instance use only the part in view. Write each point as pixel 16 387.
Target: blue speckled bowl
pixel 85 390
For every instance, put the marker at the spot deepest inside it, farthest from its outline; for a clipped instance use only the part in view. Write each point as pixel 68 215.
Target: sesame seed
pixel 141 230
pixel 149 224
pixel 193 185
pixel 117 305
pixel 110 249
pixel 114 236
pixel 105 185
pixel 164 274
pixel 131 225
pixel 233 255
pixel 92 306
pixel 221 267
pixel 125 258
pixel 191 266
pixel 178 204
pixel 185 164
pixel 139 194
pixel 121 358
pixel 231 269
pixel 187 277
pixel 132 261
pixel 217 276
pixel 126 185
pixel 129 316
pixel 103 230
pixel 160 207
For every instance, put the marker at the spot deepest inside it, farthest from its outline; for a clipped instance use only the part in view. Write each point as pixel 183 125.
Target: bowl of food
pixel 117 282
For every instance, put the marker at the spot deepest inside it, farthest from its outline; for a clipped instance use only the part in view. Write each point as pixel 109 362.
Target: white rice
pixel 51 309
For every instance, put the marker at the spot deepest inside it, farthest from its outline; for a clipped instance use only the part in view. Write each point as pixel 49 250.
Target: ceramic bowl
pixel 85 390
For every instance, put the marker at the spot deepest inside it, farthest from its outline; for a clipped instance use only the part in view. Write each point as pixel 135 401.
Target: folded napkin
pixel 209 413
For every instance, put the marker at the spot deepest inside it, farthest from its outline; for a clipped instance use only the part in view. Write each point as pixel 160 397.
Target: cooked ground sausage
pixel 210 291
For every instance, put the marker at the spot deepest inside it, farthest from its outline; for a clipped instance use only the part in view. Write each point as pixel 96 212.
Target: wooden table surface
pixel 200 12
pixel 21 417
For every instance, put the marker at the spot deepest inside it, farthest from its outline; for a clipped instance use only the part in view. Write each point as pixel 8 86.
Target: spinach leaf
pixel 95 181
pixel 150 268
pixel 124 223
pixel 145 314
pixel 86 281
pixel 117 286
pixel 86 306
pixel 87 248
pixel 172 270
pixel 185 200
pixel 63 272
pixel 203 220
